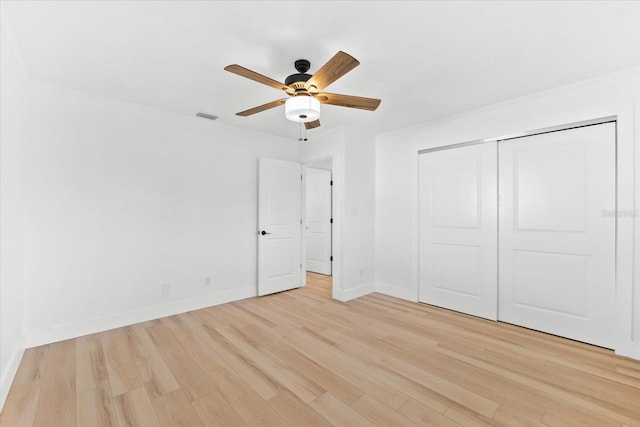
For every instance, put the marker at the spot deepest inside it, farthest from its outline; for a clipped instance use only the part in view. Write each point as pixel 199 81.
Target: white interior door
pixel 318 217
pixel 279 225
pixel 557 233
pixel 458 229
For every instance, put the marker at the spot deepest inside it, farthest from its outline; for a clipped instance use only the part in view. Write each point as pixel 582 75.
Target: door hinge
pixel 300 221
pixel 331 182
pixel 331 258
pixel 300 266
pixel 331 220
pixel 300 177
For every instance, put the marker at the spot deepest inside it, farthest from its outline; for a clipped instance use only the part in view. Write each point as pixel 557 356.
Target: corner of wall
pixel 345 295
pixel 10 370
pixel 407 294
pixel 13 82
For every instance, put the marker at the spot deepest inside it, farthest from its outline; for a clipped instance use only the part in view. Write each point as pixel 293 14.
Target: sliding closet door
pixel 557 233
pixel 458 229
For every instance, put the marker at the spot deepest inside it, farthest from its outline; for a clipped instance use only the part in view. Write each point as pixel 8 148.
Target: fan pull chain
pixel 300 133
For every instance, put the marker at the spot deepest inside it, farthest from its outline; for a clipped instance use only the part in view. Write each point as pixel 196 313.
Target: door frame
pixel 335 265
pixel 303 213
pixel 627 334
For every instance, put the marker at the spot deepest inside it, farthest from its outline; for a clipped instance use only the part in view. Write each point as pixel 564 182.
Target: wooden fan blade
pixel 336 67
pixel 313 124
pixel 245 72
pixel 260 108
pixel 369 104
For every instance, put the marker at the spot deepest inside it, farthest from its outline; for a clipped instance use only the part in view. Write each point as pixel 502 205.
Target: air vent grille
pixel 206 116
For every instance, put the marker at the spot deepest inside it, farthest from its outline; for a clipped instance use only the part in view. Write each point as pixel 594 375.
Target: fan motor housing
pixel 297 78
pixel 302 65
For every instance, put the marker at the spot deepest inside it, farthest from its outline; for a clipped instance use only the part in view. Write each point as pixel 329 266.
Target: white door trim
pixel 567 126
pixel 318 221
pixel 336 266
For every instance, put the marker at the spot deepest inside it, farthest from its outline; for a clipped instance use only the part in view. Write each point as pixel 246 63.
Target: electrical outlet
pixel 165 288
pixel 207 281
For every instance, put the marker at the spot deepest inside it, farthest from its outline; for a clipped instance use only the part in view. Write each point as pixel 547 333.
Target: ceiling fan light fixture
pixel 302 108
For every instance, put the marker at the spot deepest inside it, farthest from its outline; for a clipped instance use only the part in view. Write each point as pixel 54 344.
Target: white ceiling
pixel 425 60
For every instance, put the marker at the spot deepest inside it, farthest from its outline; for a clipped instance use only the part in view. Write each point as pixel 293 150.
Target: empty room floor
pixel 299 358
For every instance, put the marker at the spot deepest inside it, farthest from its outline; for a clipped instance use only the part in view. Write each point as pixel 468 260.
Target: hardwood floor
pixel 299 358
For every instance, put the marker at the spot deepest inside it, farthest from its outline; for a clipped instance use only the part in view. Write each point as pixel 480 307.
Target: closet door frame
pixel 627 334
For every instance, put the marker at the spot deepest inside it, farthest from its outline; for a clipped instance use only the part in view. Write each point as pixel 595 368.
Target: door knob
pixel 264 232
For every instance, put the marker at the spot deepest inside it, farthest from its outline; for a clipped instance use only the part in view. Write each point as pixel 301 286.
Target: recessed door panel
pixel 458 229
pixel 456 269
pixel 550 186
pixel 557 248
pixel 536 275
pixel 459 208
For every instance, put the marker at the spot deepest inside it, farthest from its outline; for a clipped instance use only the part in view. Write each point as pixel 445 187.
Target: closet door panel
pixel 557 243
pixel 458 229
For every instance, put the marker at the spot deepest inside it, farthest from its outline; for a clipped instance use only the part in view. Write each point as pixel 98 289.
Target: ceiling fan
pixel 305 90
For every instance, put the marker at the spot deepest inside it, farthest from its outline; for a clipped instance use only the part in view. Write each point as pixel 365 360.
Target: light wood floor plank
pixel 57 402
pixel 134 409
pixel 95 408
pixel 121 368
pixel 299 358
pixel 193 382
pixel 380 414
pixel 424 416
pixel 339 413
pixel 20 407
pixel 32 365
pixel 154 372
pixel 294 410
pixel 175 410
pixel 216 412
pixel 256 412
pixel 91 367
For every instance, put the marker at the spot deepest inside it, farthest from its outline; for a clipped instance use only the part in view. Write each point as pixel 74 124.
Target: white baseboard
pixel 397 291
pixel 353 293
pixel 91 326
pixel 629 349
pixel 9 373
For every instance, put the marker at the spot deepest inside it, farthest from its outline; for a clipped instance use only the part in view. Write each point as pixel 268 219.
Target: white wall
pixel 121 199
pixel 12 115
pixel 396 222
pixel 359 210
pixel 353 155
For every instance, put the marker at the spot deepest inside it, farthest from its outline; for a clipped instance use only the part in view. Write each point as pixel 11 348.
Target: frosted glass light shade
pixel 302 108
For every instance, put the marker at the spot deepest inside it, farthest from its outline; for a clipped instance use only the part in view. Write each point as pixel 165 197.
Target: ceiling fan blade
pixel 336 67
pixel 313 124
pixel 245 72
pixel 369 104
pixel 260 108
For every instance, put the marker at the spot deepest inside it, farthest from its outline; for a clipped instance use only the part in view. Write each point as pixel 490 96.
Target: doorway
pixel 318 220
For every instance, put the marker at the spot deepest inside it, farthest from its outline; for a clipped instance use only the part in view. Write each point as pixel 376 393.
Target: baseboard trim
pixel 397 291
pixel 90 326
pixel 353 293
pixel 9 373
pixel 630 349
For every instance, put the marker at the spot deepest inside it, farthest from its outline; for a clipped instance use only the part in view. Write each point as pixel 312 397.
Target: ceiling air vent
pixel 206 116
